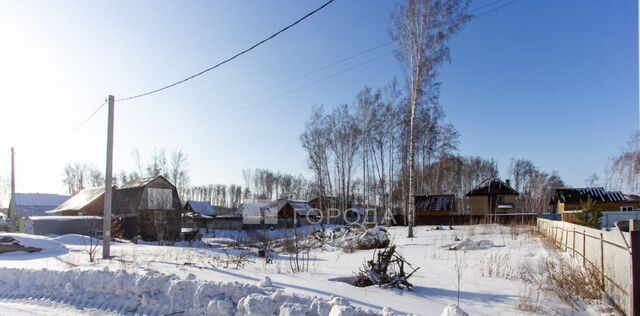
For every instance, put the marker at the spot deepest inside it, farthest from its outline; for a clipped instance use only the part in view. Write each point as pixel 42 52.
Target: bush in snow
pixel 386 268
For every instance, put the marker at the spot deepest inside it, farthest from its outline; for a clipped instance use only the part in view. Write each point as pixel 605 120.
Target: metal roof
pixel 598 194
pixel 435 203
pixel 80 200
pixel 203 208
pixel 40 199
pixel 493 186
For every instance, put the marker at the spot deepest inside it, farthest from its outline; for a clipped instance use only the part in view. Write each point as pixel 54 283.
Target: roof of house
pixel 598 194
pixel 254 208
pixel 34 204
pixel 141 182
pixel 435 203
pixel 492 186
pixel 40 199
pixel 299 206
pixel 201 207
pixel 80 200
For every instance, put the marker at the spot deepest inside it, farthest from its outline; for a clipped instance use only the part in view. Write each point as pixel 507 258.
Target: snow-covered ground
pixel 150 279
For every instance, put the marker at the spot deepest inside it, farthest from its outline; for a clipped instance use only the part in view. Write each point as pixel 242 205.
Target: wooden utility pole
pixel 634 232
pixel 12 202
pixel 108 178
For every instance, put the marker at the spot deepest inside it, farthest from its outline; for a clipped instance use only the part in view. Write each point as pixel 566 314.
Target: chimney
pixel 508 182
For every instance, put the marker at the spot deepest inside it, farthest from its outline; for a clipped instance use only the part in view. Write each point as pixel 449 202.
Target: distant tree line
pixel 260 183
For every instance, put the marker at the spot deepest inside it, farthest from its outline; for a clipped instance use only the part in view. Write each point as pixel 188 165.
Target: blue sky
pixel 552 81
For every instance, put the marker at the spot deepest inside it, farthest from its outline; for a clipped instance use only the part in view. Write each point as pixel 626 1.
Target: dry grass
pixel 571 283
pixel 498 265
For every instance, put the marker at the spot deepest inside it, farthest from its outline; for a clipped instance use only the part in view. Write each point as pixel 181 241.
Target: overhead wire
pixel 332 64
pixel 228 59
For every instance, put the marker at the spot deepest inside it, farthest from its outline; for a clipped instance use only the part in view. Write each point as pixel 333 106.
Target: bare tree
pixel 74 177
pixel 137 159
pixel 623 172
pixel 178 172
pixel 157 165
pixel 592 180
pixel 344 142
pixel 421 29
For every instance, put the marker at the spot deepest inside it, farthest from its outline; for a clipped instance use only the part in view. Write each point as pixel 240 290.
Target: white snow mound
pixel 76 240
pixel 49 247
pixel 155 293
pixel 453 310
pixel 469 244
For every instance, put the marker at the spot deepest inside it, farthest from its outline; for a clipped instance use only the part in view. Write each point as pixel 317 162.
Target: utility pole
pixel 12 202
pixel 108 178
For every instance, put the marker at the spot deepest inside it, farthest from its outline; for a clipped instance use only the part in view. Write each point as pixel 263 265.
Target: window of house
pixel 626 208
pixel 159 199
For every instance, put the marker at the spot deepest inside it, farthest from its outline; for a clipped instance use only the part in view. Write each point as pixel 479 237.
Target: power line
pixel 228 59
pixel 485 5
pixel 495 9
pixel 325 67
pixel 295 78
pixel 177 127
pixel 84 122
pixel 75 130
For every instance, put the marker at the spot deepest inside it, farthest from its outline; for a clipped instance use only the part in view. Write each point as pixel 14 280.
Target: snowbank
pixel 469 244
pixel 153 293
pixel 48 246
pixel 375 237
pixel 76 240
pixel 453 310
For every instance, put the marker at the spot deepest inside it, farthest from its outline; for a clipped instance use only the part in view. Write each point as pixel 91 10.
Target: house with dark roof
pixel 149 207
pixel 36 204
pixel 200 207
pixel 492 196
pixel 294 212
pixel 571 199
pixel 432 205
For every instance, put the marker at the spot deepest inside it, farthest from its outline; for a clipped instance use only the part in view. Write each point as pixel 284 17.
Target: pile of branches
pixel 386 269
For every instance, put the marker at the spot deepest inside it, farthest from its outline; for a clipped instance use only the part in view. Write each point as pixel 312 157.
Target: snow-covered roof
pixel 140 182
pixel 40 199
pixel 61 218
pixel 79 200
pixel 255 208
pixel 203 208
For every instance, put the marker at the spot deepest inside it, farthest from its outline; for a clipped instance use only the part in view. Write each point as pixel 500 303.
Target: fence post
pixel 573 246
pixel 584 247
pixel 634 293
pixel 602 259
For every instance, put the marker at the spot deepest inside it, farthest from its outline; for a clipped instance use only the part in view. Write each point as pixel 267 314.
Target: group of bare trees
pixel 222 195
pixel 173 166
pixel 259 184
pixel 422 28
pixel 359 152
pixel 536 187
pixel 397 142
pixel 78 175
pixel 270 185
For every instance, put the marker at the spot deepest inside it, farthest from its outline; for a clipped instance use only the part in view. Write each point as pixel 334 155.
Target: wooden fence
pixel 608 251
